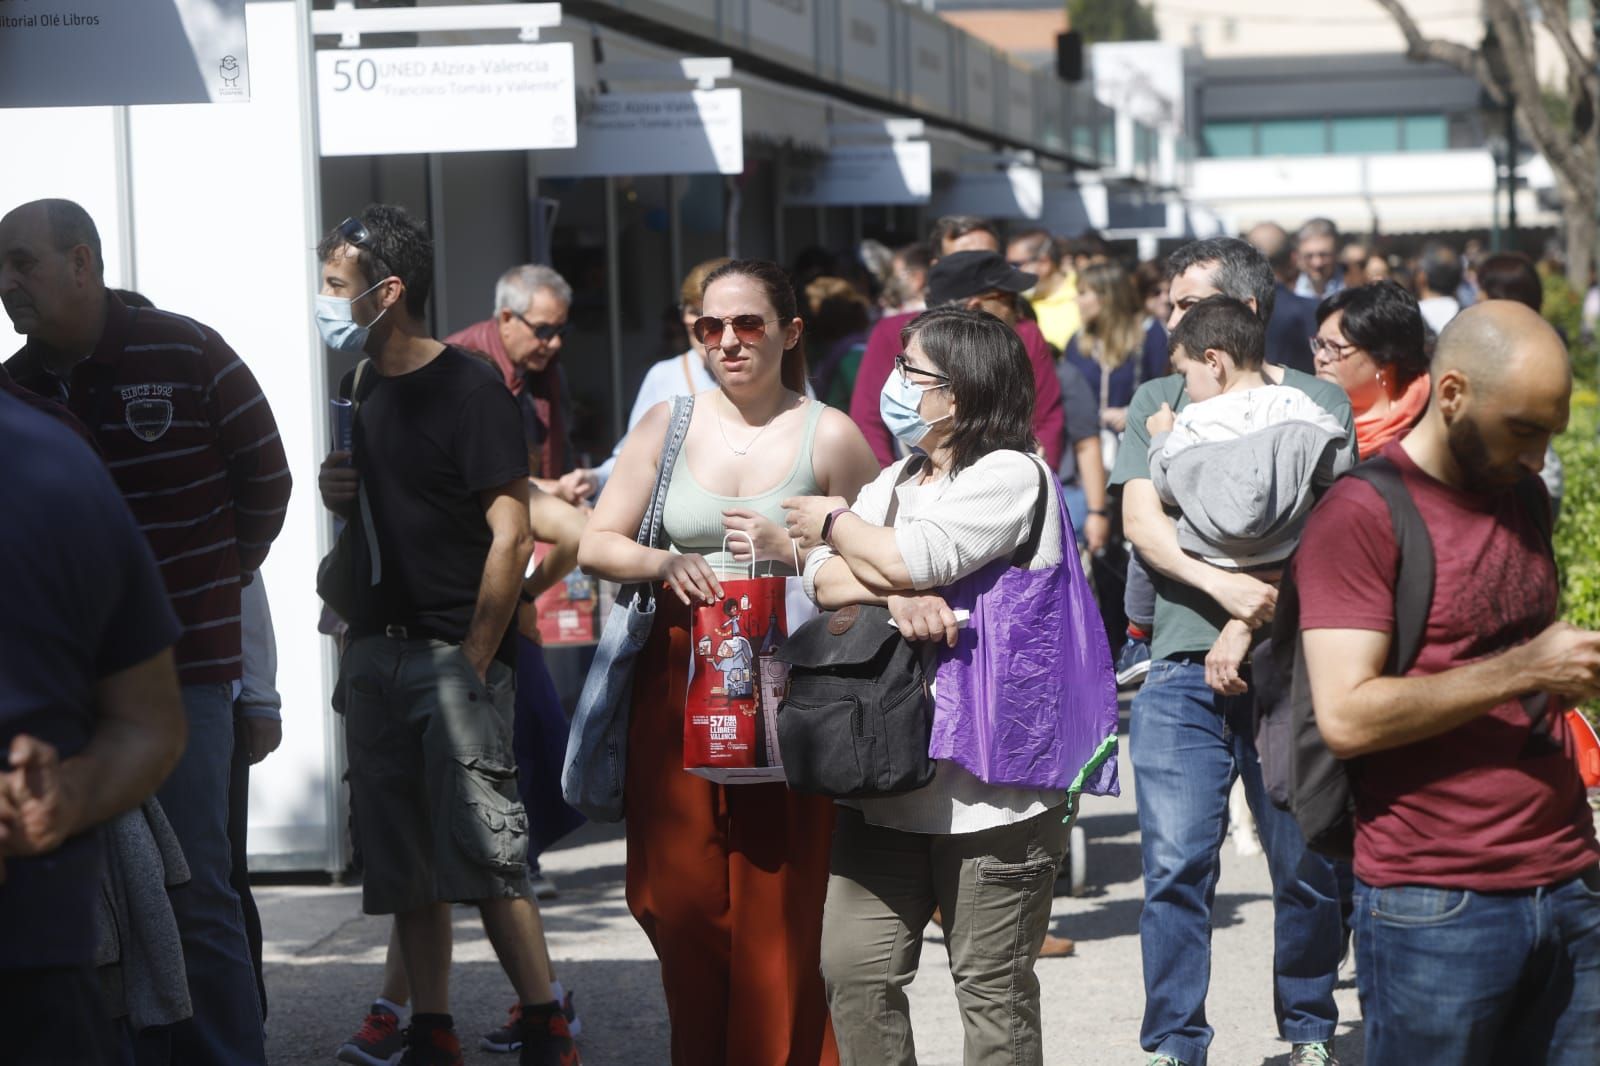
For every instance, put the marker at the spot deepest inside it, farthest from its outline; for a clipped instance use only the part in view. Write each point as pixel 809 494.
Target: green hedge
pixel 1578 532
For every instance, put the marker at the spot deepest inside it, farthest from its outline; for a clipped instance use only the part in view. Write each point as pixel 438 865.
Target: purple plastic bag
pixel 1027 698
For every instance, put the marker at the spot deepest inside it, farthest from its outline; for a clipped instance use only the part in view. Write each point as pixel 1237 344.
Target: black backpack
pixel 856 720
pixel 1300 774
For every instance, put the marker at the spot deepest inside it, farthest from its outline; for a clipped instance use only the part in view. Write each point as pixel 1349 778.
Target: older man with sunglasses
pixel 523 339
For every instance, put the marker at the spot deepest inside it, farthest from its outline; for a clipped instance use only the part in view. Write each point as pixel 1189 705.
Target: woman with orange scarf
pixel 1371 342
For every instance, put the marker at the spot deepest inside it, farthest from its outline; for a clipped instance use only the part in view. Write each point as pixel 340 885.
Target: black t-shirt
pixel 426 444
pixel 83 601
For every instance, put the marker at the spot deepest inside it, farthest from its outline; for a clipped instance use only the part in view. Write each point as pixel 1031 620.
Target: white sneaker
pixel 544 888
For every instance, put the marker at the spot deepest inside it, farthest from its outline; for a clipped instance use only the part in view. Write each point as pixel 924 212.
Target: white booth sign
pixel 463 98
pixel 80 53
pixel 897 173
pixel 696 132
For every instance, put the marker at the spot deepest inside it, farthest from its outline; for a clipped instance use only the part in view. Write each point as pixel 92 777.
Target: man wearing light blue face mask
pixel 436 489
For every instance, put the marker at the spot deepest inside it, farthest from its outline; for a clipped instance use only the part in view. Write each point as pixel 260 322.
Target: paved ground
pixel 324 960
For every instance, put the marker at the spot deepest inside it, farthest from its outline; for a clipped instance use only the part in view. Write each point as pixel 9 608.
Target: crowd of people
pixel 1104 474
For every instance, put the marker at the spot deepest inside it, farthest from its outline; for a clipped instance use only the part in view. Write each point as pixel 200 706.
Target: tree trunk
pixel 1581 227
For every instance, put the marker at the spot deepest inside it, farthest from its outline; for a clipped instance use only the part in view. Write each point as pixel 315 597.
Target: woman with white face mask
pixel 1024 706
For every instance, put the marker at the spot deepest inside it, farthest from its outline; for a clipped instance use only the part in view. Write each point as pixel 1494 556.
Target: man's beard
pixel 1471 453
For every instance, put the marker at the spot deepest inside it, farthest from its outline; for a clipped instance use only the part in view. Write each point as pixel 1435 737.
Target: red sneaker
pixel 431 1046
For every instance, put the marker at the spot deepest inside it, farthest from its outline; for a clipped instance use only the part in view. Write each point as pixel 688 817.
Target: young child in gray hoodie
pixel 1245 459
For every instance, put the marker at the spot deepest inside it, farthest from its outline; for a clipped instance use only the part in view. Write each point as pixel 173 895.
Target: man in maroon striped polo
pixel 192 444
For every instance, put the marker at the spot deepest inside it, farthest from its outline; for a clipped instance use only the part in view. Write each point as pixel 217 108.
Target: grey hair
pixel 1239 270
pixel 514 291
pixel 1318 227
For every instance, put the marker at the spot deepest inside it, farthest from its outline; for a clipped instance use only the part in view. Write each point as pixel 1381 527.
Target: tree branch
pixel 1419 47
pixel 1516 38
pixel 1558 23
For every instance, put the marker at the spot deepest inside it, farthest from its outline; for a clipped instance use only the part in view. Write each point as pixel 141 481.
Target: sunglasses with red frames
pixel 750 329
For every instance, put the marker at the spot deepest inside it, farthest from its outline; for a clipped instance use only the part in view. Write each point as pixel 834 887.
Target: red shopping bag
pixel 1587 747
pixel 730 718
pixel 568 610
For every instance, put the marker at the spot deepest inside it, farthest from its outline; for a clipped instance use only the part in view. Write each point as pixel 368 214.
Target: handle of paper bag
pixel 794 548
pixel 748 539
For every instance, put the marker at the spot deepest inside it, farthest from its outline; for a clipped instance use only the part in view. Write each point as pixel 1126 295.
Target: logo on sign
pixel 724 727
pixel 229 70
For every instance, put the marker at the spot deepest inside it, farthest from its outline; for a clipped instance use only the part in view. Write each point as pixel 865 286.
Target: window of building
pixel 1365 134
pixel 1293 136
pixel 1230 139
pixel 1425 133
pixel 1083 140
pixel 1342 135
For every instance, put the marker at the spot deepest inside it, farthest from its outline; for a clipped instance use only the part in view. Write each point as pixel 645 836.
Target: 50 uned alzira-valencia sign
pixel 71 53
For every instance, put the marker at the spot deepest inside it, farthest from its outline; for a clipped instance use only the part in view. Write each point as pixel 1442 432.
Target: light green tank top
pixel 692 517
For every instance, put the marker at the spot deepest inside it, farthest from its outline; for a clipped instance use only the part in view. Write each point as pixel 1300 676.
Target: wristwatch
pixel 827 524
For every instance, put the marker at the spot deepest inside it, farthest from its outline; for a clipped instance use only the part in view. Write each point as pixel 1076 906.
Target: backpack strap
pixel 1413 587
pixel 1536 501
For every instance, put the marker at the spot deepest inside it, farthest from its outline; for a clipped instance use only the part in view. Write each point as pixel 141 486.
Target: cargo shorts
pixel 433 779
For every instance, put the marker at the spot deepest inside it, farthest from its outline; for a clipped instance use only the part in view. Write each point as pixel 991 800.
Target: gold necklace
pixel 746 450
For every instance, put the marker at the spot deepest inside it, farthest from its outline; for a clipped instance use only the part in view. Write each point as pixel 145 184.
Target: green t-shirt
pixel 1187 620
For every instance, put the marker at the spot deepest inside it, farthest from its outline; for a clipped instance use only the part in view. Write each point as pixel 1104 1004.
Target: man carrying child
pixel 1188 741
pixel 1245 460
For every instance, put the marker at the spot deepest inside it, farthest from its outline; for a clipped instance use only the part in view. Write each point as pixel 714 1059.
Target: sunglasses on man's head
pixel 353 231
pixel 750 329
pixel 545 331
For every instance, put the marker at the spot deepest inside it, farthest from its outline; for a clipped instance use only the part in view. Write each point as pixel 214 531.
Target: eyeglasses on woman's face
pixel 915 375
pixel 1332 351
pixel 750 329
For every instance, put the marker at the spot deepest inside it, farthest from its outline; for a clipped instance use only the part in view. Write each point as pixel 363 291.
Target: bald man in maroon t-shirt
pixel 1477 915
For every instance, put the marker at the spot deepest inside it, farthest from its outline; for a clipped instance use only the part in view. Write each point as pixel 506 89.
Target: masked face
pixel 900 402
pixel 336 321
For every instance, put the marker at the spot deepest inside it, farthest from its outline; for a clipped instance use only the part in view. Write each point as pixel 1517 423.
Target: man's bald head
pixel 1268 238
pixel 1272 241
pixel 1499 344
pixel 67 223
pixel 52 275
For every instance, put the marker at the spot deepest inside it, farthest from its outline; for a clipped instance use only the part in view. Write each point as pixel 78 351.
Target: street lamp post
pixel 1494 57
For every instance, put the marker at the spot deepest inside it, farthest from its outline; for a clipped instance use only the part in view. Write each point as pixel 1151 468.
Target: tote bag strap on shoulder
pixel 677 428
pixel 912 468
pixel 650 525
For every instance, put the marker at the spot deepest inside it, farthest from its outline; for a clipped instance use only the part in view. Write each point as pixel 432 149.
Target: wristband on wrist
pixel 1101 511
pixel 827 524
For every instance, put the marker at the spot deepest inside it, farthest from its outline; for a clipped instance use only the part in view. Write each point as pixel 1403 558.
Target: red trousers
pixel 727 881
